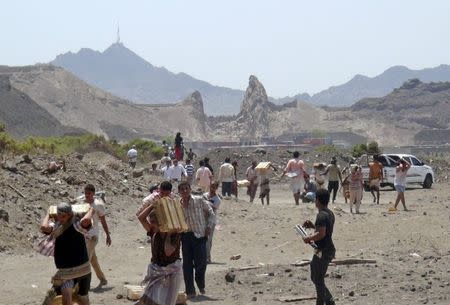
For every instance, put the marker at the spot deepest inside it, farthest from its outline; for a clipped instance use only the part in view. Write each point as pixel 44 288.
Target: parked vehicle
pixel 419 173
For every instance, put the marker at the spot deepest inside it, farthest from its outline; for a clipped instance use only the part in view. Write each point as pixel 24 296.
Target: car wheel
pixel 428 182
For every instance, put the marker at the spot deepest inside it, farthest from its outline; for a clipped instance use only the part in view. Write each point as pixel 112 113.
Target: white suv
pixel 419 173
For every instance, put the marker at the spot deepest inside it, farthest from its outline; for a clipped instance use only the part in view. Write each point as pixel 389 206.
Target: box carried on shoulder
pixel 263 167
pixel 79 209
pixel 170 216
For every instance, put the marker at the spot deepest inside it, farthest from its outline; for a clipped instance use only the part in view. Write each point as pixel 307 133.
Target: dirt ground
pixel 411 249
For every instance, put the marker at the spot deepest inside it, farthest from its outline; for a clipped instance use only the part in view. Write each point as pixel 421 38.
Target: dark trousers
pixel 194 258
pixel 333 186
pixel 319 268
pixel 226 188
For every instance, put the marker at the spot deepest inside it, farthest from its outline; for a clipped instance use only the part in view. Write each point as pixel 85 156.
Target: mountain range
pixel 125 74
pixel 361 86
pixel 47 100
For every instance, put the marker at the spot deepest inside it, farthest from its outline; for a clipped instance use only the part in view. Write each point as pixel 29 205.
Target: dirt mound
pixel 27 192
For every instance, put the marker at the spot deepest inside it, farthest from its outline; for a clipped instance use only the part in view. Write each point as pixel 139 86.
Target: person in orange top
pixel 375 177
pixel 295 168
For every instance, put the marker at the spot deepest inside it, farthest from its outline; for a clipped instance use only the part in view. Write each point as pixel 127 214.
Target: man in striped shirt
pixel 200 219
pixel 189 168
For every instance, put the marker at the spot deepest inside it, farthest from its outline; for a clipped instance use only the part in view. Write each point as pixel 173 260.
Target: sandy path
pixel 265 235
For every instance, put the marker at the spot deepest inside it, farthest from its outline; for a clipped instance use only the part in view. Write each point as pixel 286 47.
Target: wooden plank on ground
pixel 353 261
pixel 296 298
pixel 335 262
pixel 246 268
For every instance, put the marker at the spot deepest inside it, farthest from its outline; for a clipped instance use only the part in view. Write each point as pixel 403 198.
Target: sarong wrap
pixel 162 284
pixel 66 274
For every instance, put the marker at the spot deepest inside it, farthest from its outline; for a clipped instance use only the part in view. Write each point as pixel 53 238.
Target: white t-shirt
pixel 132 155
pixel 166 172
pixel 176 171
pixel 99 211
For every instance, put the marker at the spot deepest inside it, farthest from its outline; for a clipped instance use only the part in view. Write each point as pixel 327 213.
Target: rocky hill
pixel 361 86
pixel 260 117
pixel 74 103
pixel 24 117
pixel 414 103
pixel 123 73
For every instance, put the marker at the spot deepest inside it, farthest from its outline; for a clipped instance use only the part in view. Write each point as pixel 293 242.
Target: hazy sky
pixel 291 46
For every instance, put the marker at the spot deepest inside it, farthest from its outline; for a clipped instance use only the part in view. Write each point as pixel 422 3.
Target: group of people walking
pixel 186 255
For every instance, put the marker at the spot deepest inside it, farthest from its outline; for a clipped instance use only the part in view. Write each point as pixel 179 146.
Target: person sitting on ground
pixel 163 278
pixel 53 167
pixel 70 254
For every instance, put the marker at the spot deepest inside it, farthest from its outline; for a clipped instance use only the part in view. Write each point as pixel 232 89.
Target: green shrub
pixel 373 148
pixel 63 145
pixel 327 149
pixel 358 150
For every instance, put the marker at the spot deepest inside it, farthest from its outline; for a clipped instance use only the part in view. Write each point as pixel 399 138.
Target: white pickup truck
pixel 419 173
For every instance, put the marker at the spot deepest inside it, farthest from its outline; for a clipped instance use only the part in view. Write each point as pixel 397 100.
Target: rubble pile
pixel 27 192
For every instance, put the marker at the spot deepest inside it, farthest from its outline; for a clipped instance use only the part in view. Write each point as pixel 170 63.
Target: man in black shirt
pixel 208 165
pixel 325 248
pixel 70 253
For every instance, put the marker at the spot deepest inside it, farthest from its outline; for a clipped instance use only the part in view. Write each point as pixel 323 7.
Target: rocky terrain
pixel 408 267
pixel 120 71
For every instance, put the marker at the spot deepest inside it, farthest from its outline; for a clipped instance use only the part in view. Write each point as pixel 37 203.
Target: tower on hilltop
pixel 118 33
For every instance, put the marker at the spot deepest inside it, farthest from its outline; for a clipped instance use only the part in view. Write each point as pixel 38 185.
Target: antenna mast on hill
pixel 118 33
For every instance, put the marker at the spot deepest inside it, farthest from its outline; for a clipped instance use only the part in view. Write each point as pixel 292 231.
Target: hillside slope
pixel 73 102
pixel 24 117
